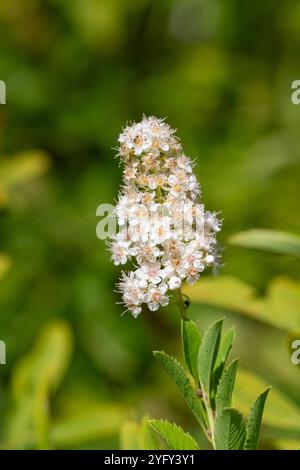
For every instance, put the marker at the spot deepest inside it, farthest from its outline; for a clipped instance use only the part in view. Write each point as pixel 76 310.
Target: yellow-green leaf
pixel 174 435
pixel 21 169
pixel 138 436
pixel 33 379
pixel 280 307
pixel 48 360
pixel 268 240
pixel 97 422
pixel 280 412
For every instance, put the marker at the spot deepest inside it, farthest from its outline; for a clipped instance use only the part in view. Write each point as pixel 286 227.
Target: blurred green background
pixel 76 71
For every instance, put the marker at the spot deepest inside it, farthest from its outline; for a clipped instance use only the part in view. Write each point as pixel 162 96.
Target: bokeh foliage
pixel 76 71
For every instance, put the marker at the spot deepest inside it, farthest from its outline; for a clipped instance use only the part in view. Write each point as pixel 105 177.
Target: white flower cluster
pixel 160 191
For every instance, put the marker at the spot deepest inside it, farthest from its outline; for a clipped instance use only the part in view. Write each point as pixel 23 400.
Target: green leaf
pixel 225 347
pixel 98 420
pixel 279 308
pixel 225 388
pixel 268 240
pixel 21 169
pixel 174 435
pixel 281 414
pixel 208 352
pixel 35 377
pixel 191 340
pixel 217 292
pixel 224 350
pixel 138 436
pixel 230 430
pixel 179 377
pixel 46 364
pixel 254 421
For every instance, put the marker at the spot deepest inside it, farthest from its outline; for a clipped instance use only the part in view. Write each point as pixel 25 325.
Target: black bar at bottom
pixel 135 459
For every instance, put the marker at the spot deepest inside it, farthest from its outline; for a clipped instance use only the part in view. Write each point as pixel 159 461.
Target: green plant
pixel 207 387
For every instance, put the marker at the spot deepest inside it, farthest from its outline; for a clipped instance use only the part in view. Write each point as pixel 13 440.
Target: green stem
pixel 211 422
pixel 180 304
pixel 159 196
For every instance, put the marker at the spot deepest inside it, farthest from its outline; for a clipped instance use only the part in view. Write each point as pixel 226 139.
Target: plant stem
pixel 211 421
pixel 159 197
pixel 181 305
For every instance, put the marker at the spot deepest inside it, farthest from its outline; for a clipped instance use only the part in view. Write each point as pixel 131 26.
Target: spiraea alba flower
pixel 164 231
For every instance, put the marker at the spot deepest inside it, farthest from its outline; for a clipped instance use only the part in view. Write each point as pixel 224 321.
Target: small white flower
pixel 123 208
pixel 133 294
pixel 210 259
pixel 174 283
pixel 156 297
pixel 212 221
pixel 172 179
pixel 193 183
pixel 149 272
pixel 192 276
pixel 138 214
pixel 160 229
pixel 192 257
pixel 152 182
pixel 136 311
pixel 119 253
pixel 147 253
pixel 184 163
pixel 139 232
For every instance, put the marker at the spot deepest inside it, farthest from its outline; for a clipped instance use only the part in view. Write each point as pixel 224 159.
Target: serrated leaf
pixel 174 435
pixel 224 350
pixel 208 353
pixel 191 340
pixel 225 347
pixel 230 430
pixel 180 379
pixel 225 388
pixel 254 421
pixel 268 240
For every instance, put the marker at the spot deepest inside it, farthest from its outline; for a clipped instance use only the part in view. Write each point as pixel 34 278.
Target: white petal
pixel 153 306
pixel 174 283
